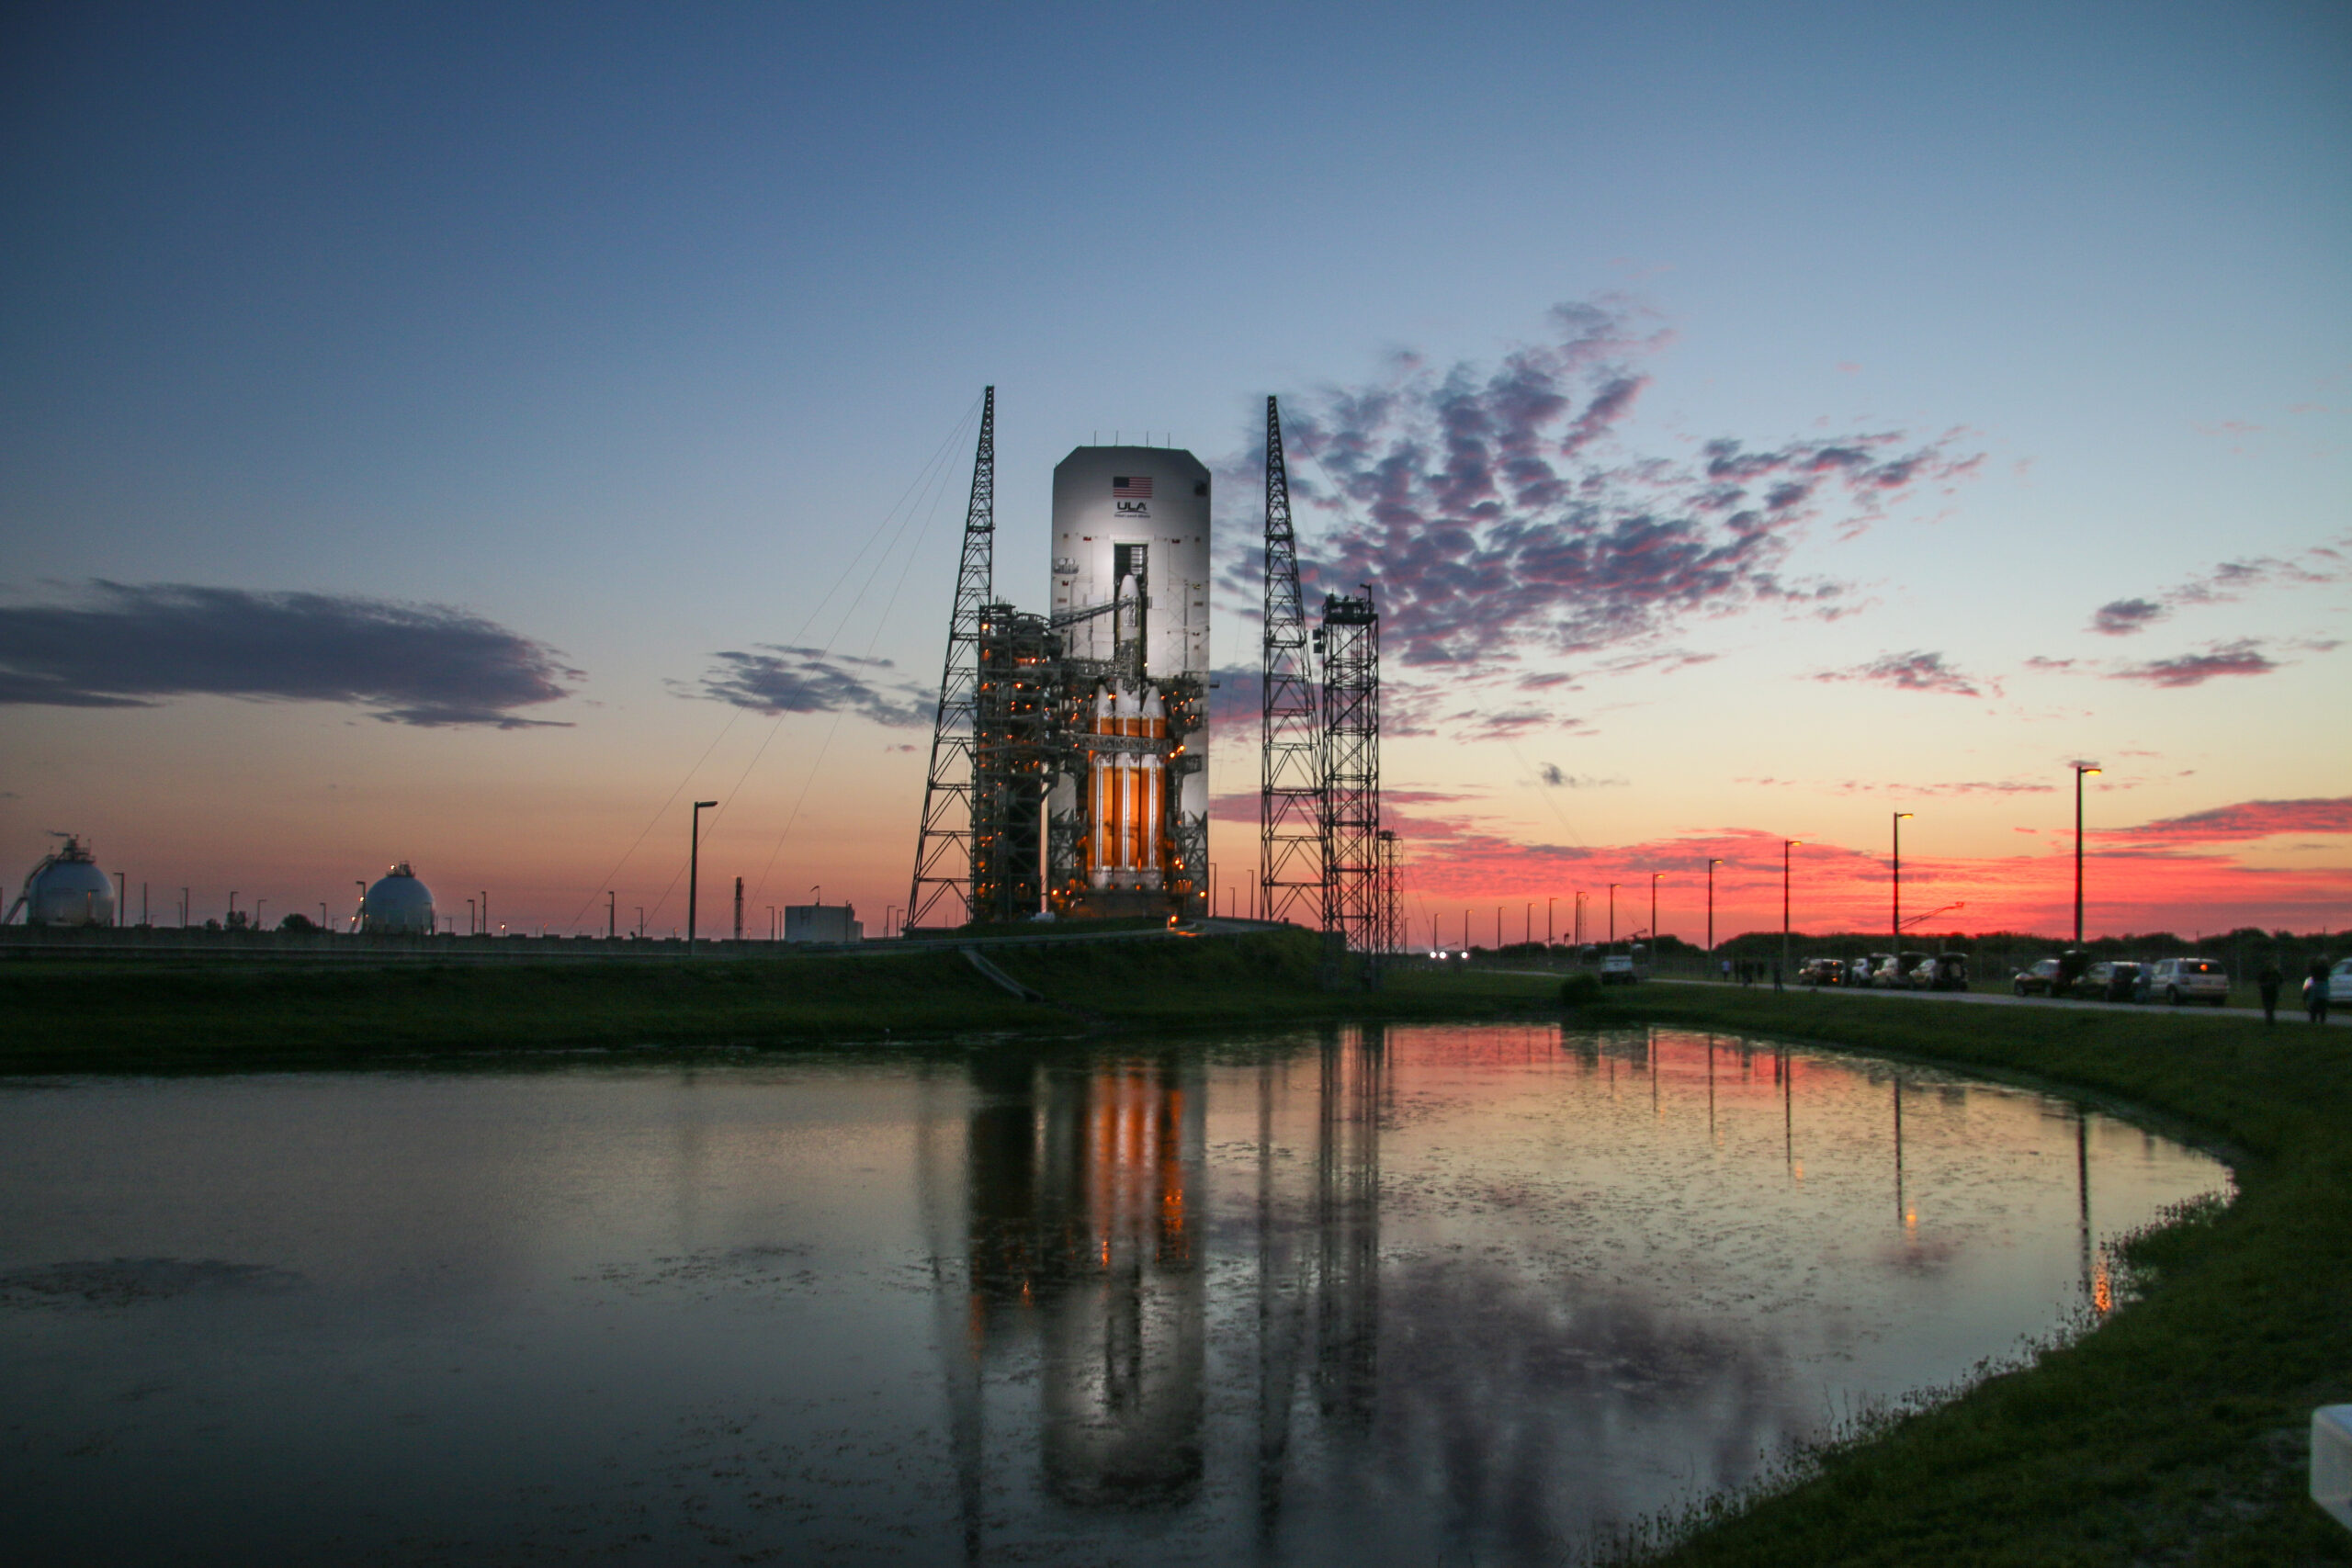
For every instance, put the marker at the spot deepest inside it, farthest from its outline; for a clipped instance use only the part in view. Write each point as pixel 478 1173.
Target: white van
pixel 2178 981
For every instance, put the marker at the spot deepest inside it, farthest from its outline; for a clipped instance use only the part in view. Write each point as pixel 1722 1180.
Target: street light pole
pixel 1612 916
pixel 694 869
pixel 1711 910
pixel 1786 845
pixel 2080 769
pixel 1897 929
pixel 1654 877
pixel 612 915
pixel 1548 942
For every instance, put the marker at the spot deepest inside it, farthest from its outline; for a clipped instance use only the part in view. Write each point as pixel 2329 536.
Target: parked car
pixel 1859 971
pixel 1944 972
pixel 2041 981
pixel 1821 972
pixel 2117 981
pixel 2339 982
pixel 1617 969
pixel 2180 980
pixel 1894 974
pixel 2053 976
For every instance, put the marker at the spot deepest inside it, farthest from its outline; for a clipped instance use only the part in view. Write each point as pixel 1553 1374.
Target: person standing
pixel 2315 992
pixel 2268 982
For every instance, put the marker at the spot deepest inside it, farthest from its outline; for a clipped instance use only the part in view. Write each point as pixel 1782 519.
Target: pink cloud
pixel 1918 670
pixel 2243 657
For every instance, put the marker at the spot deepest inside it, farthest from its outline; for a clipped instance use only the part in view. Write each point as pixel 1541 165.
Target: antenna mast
pixel 1291 870
pixel 944 849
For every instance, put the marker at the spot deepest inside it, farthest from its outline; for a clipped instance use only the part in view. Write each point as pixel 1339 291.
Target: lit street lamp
pixel 1897 943
pixel 2080 769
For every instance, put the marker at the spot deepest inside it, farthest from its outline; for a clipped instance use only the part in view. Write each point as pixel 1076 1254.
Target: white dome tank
pixel 399 904
pixel 68 889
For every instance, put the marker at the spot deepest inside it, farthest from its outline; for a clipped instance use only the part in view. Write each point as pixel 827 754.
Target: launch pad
pixel 1069 773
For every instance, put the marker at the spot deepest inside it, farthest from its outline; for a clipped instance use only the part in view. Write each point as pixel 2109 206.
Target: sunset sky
pixel 469 435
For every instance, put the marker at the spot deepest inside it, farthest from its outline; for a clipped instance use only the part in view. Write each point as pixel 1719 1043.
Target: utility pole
pixel 694 868
pixel 1898 929
pixel 1711 910
pixel 1612 916
pixel 1654 877
pixel 1548 942
pixel 1786 845
pixel 739 908
pixel 612 915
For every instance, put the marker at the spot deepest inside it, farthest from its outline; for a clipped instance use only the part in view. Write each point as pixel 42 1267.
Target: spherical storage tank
pixel 68 889
pixel 399 904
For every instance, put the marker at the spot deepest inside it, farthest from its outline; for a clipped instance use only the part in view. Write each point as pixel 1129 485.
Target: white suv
pixel 2178 981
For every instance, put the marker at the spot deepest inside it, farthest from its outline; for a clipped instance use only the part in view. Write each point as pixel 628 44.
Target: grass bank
pixel 79 1016
pixel 2177 1432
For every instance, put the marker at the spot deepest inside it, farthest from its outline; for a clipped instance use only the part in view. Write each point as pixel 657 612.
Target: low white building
pixel 821 922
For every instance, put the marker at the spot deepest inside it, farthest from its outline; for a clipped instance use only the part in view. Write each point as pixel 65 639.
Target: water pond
pixel 1412 1295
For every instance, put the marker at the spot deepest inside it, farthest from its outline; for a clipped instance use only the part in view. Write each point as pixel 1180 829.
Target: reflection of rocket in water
pixel 1081 1240
pixel 1082 1249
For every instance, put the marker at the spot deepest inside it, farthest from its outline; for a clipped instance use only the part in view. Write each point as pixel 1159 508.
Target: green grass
pixel 2177 1432
pixel 225 1016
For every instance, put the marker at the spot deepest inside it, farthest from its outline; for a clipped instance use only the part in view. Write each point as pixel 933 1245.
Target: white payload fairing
pixel 1131 544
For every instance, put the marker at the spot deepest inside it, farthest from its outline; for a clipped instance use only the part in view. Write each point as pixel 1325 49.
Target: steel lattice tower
pixel 944 849
pixel 1015 732
pixel 1291 840
pixel 1349 636
pixel 1392 929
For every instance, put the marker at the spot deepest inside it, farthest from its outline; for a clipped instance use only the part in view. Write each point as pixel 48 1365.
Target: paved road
pixel 2289 1008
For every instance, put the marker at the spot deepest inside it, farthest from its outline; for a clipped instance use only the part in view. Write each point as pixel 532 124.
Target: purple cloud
pixel 132 645
pixel 2121 617
pixel 1915 671
pixel 1489 509
pixel 2243 657
pixel 2229 582
pixel 809 679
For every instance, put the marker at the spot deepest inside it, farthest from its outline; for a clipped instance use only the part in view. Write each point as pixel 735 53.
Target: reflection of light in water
pixel 1091 1310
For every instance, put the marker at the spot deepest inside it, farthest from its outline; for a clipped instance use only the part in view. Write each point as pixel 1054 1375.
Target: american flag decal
pixel 1138 489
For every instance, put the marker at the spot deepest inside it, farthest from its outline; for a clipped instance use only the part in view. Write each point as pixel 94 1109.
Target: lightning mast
pixel 943 851
pixel 1291 869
